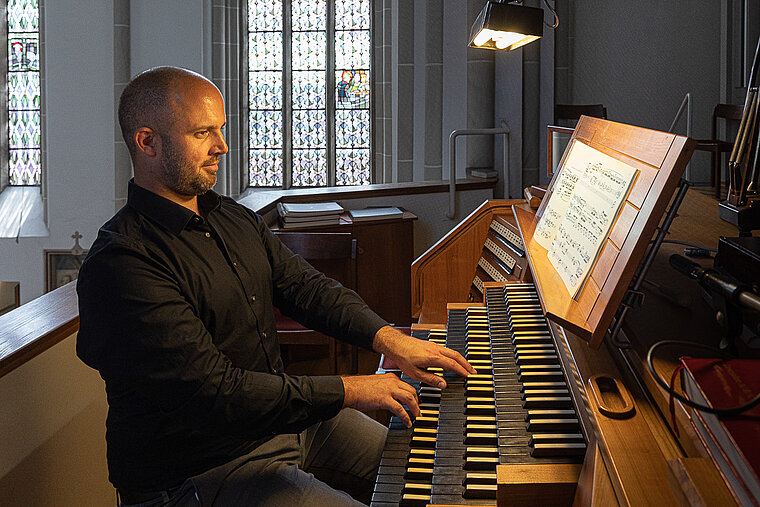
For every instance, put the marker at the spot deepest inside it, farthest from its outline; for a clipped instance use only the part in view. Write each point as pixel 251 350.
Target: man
pixel 175 301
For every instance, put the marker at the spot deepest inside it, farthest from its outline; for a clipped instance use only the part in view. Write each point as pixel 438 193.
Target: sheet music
pixel 594 205
pixel 559 200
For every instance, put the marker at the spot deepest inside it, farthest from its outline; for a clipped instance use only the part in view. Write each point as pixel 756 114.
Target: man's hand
pixel 388 392
pixel 413 356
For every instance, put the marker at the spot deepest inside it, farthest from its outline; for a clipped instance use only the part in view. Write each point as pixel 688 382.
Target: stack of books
pixel 386 213
pixel 733 441
pixel 309 214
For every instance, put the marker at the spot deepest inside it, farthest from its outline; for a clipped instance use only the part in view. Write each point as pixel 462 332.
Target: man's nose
pixel 219 147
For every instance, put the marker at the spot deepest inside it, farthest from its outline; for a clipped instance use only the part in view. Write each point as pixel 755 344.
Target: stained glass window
pixel 308 92
pixel 24 92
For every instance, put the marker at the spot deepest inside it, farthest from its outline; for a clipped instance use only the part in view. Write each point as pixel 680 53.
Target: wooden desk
pixel 384 255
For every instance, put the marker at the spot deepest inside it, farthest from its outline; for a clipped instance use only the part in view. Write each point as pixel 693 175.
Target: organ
pixel 557 413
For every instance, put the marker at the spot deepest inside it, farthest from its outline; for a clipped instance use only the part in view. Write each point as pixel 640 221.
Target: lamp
pixel 506 26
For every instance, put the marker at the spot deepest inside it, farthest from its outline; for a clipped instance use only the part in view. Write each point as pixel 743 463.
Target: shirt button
pixel 264 335
pixel 234 264
pixel 208 234
pixel 253 298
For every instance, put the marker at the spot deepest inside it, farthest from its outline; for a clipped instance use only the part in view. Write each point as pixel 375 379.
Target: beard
pixel 181 175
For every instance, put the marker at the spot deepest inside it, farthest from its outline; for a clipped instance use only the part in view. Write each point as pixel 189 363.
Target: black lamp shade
pixel 506 26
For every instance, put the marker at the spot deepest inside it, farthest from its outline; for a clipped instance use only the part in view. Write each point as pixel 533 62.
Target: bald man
pixel 176 305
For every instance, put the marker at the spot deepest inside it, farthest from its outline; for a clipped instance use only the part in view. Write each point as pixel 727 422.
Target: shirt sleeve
pixel 316 301
pixel 155 354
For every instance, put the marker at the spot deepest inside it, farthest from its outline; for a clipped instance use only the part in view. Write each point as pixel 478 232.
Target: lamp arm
pixel 556 18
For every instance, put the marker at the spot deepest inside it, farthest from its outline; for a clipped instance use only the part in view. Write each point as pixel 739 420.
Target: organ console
pixel 556 415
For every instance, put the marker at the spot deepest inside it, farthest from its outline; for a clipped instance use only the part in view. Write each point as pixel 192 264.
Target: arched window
pixel 23 92
pixel 309 93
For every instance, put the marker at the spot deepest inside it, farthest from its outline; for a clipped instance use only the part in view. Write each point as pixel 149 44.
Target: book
pixel 304 209
pixel 483 173
pixel 301 219
pixel 732 439
pixel 726 469
pixel 335 220
pixel 581 208
pixel 360 215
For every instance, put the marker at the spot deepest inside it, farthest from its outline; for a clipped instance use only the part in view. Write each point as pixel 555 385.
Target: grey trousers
pixel 332 463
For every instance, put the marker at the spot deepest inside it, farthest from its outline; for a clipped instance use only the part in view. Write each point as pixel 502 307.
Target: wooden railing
pixel 36 326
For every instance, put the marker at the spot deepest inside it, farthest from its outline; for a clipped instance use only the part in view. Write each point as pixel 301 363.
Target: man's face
pixel 191 147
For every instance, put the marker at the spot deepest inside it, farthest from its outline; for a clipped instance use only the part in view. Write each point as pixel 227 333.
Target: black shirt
pixel 176 315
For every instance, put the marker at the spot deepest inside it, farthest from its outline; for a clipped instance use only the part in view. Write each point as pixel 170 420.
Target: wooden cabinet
pixel 384 255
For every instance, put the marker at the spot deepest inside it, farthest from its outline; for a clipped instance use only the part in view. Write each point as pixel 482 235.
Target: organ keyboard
pixel 515 410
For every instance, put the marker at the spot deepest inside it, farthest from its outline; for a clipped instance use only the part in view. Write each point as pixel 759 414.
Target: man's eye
pixel 202 133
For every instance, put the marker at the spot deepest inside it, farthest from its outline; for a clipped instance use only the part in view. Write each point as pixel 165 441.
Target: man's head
pixel 171 120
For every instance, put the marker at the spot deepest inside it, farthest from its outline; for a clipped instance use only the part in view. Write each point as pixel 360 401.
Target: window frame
pixel 287 103
pixel 4 101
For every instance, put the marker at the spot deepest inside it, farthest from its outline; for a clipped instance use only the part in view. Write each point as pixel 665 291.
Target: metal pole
pixel 649 258
pixel 453 161
pixel 685 104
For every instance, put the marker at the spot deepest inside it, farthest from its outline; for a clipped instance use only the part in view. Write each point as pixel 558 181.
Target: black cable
pixel 704 408
pixel 556 18
pixel 686 243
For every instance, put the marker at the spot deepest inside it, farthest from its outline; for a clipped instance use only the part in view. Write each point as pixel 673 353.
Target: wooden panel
pixel 384 253
pixel 696 481
pixel 637 147
pixel 539 485
pixel 594 485
pixel 588 297
pixel 643 184
pixel 636 450
pixel 649 146
pixel 463 306
pixel 623 224
pixel 427 327
pixel 446 270
pixel 604 263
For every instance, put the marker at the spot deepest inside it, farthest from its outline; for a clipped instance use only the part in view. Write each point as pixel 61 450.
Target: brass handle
pixel 606 383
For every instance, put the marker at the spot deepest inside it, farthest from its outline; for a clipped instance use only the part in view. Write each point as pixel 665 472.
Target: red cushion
pixel 285 323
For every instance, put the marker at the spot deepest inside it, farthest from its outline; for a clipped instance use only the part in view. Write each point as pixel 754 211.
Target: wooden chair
pixel 333 253
pixel 716 146
pixel 572 112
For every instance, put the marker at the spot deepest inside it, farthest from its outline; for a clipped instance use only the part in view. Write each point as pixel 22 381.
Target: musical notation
pixel 559 200
pixel 597 196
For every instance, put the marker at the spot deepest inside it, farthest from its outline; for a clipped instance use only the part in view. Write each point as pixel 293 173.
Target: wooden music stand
pixel 661 159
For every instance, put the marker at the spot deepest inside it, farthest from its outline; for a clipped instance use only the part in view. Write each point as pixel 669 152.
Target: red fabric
pixel 286 323
pixel 726 384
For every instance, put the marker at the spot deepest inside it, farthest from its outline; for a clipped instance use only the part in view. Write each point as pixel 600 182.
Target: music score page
pixel 601 187
pixel 559 200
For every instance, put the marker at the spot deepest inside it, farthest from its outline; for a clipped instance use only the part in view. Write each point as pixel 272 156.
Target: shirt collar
pixel 168 214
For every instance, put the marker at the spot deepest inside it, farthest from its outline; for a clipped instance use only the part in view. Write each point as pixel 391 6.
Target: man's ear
pixel 148 141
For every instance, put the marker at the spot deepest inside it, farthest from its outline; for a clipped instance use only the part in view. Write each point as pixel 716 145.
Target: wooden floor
pixel 709 190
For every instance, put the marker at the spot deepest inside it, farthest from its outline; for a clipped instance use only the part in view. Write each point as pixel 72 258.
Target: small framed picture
pixel 61 267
